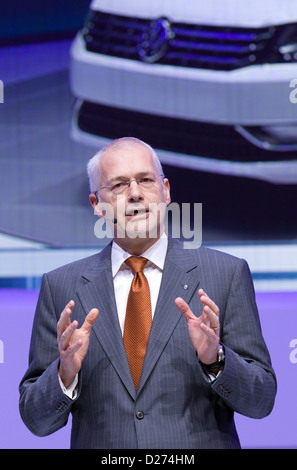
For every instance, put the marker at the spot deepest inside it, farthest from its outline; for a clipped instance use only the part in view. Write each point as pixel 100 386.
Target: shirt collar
pixel 155 253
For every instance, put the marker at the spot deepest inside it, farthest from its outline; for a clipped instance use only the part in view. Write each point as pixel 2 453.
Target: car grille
pixel 179 44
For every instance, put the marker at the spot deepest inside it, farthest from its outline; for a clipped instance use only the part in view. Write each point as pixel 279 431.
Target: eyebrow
pixel 127 178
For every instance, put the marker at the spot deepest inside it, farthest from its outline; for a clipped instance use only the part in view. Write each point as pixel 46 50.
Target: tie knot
pixel 136 263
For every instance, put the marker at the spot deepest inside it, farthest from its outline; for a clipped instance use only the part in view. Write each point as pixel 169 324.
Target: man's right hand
pixel 73 342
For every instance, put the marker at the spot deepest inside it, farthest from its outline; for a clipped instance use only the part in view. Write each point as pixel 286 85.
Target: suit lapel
pixel 180 279
pixel 98 292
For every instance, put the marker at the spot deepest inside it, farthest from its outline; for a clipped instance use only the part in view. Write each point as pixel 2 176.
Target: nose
pixel 134 191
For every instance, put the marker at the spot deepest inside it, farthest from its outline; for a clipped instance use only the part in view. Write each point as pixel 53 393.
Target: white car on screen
pixel 211 85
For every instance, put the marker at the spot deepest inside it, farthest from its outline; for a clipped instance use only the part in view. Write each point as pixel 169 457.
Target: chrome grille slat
pixel 209 47
pixel 202 46
pixel 216 35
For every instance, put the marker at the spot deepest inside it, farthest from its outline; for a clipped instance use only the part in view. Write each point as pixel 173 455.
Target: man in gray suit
pixel 205 357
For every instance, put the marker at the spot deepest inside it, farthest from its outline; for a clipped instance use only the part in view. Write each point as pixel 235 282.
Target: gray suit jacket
pixel 175 406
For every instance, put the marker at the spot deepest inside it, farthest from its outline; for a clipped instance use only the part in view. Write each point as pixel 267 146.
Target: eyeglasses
pixel 146 183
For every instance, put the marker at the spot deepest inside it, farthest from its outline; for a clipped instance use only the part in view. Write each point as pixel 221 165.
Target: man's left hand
pixel 204 331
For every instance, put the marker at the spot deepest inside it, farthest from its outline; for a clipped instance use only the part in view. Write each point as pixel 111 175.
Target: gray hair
pixel 93 167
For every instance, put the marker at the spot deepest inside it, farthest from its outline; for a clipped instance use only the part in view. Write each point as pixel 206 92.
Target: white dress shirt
pixel 123 275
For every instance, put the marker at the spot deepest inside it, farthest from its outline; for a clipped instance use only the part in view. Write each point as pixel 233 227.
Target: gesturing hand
pixel 73 343
pixel 204 331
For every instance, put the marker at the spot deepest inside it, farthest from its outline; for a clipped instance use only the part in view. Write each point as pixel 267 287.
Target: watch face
pixel 221 354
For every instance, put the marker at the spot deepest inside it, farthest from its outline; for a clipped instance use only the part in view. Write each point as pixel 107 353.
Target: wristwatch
pixel 221 354
pixel 215 366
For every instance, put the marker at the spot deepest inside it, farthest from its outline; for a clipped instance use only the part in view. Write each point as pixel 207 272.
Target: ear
pixel 167 191
pixel 95 204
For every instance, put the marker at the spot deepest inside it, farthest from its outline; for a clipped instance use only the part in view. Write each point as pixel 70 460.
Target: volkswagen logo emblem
pixel 154 39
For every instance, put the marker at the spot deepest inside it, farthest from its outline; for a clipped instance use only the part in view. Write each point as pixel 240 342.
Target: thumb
pixel 184 308
pixel 91 318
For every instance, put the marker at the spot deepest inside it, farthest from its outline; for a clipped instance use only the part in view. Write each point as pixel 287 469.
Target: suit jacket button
pixel 139 415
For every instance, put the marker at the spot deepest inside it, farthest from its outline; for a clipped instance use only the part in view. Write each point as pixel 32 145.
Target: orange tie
pixel 138 319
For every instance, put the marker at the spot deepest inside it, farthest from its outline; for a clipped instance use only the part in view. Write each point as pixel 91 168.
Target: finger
pixel 64 340
pixel 210 319
pixel 90 319
pixel 208 302
pixel 72 349
pixel 210 332
pixel 184 308
pixel 64 319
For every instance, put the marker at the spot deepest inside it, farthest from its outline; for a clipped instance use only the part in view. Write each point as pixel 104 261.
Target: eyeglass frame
pixel 127 182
